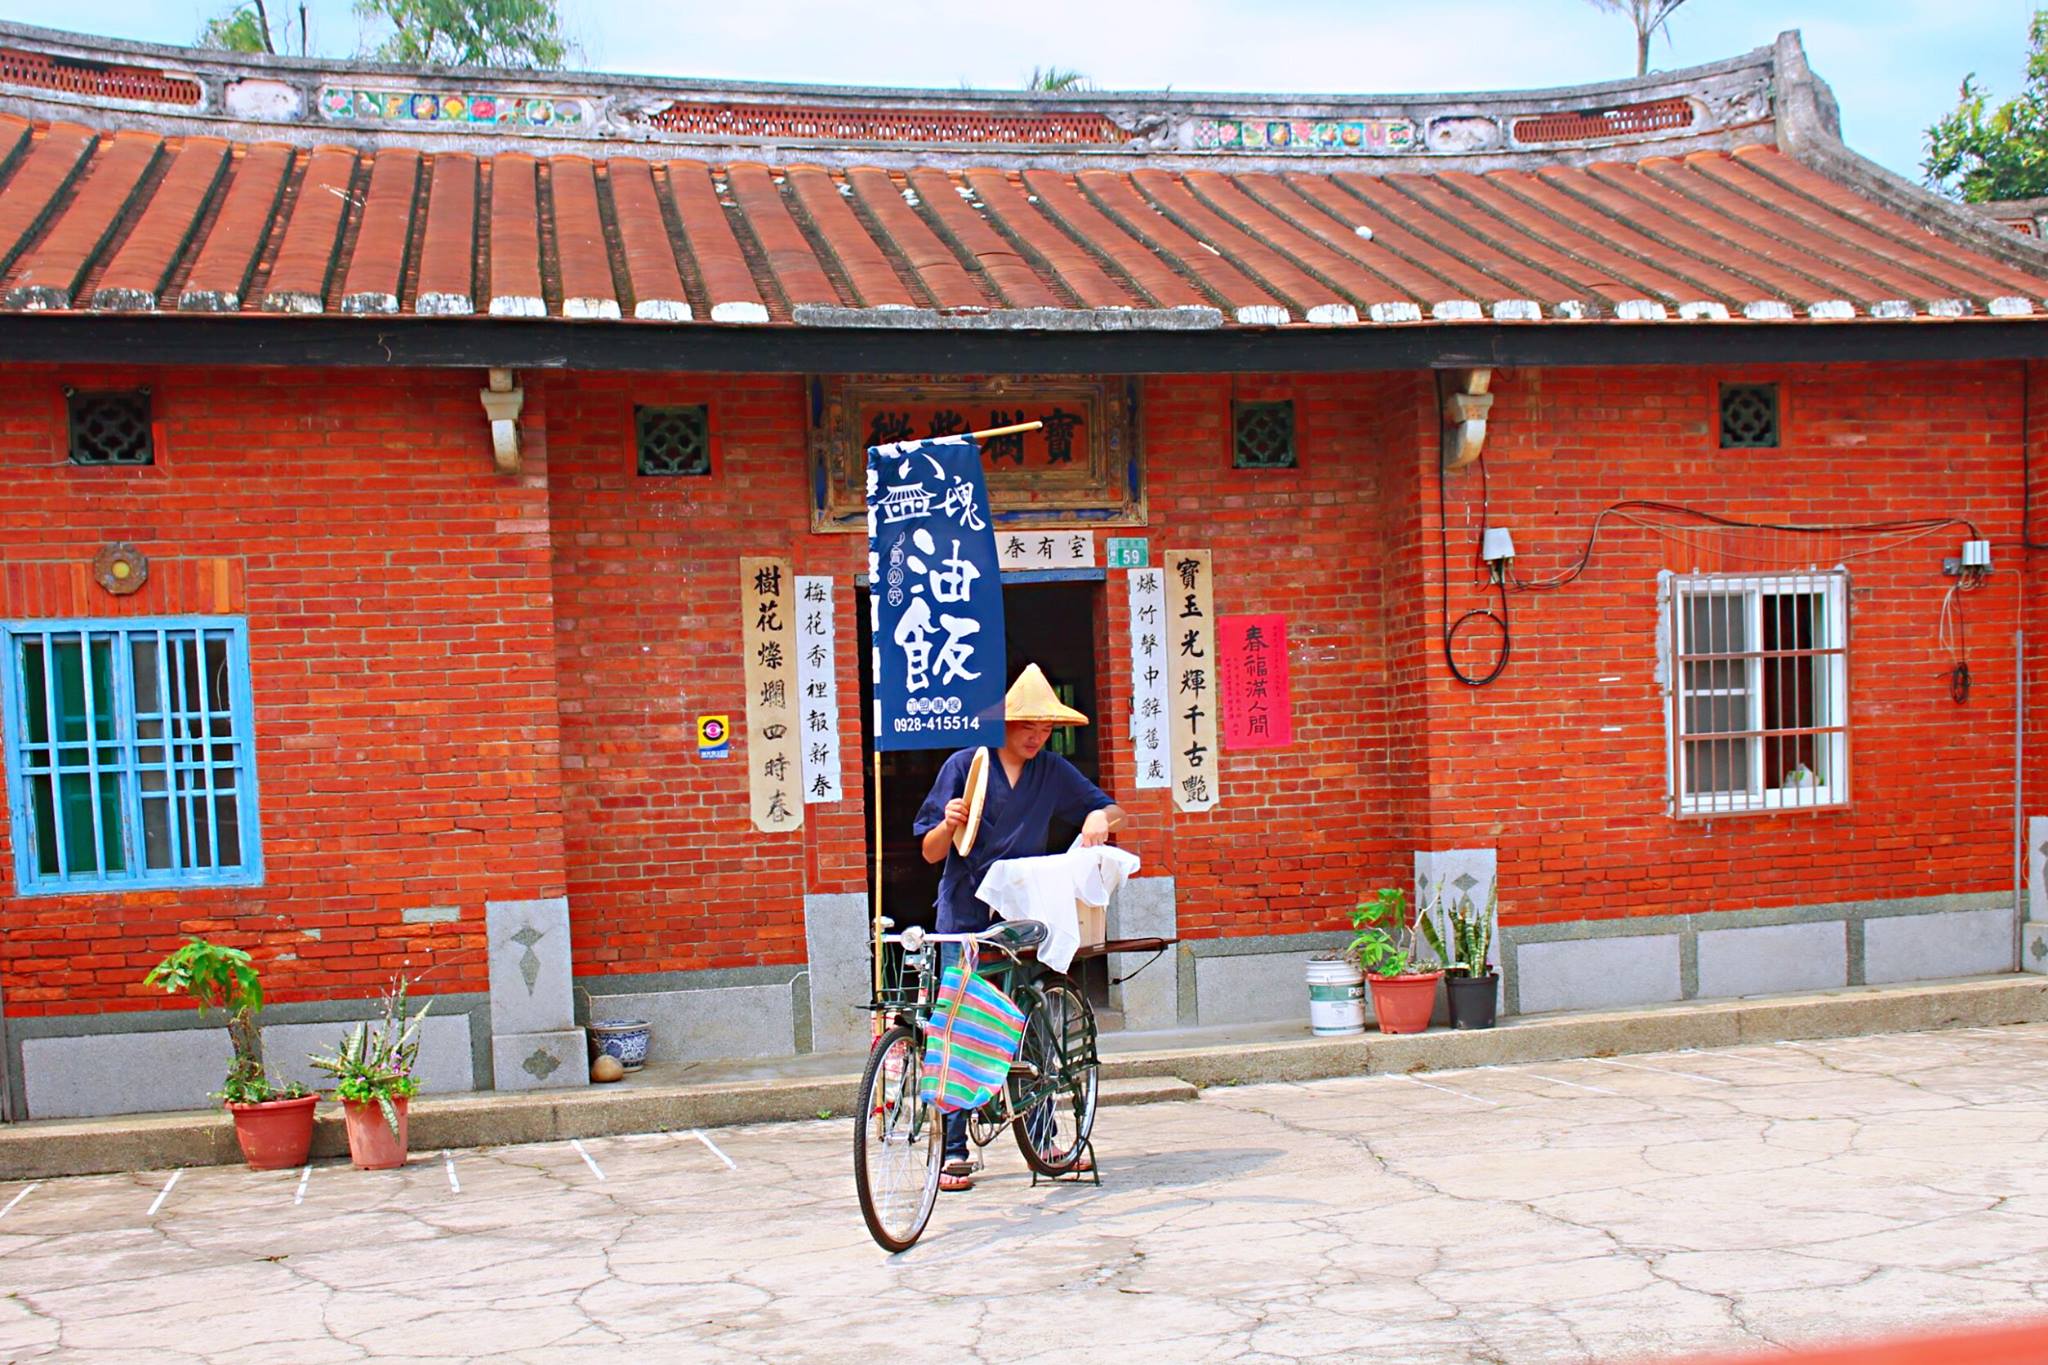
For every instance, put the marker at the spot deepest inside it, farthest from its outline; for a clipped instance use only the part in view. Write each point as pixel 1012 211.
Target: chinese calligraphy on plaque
pixel 936 597
pixel 1258 713
pixel 1151 727
pixel 1046 549
pixel 768 616
pixel 817 682
pixel 1189 638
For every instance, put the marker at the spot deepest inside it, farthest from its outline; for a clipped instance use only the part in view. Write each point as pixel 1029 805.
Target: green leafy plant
pixel 225 979
pixel 1980 151
pixel 373 1062
pixel 1385 942
pixel 1471 935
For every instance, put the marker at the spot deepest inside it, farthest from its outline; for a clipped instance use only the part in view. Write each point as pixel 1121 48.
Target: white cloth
pixel 1046 889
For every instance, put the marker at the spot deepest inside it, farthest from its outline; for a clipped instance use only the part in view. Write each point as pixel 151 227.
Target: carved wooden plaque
pixel 1081 469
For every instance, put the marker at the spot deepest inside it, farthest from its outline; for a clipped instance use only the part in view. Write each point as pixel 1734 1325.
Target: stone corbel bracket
pixel 502 402
pixel 1466 403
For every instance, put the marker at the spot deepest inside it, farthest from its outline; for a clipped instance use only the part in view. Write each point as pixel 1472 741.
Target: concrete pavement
pixel 1596 1209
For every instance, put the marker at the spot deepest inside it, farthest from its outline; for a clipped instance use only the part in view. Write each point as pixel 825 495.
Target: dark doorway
pixel 1050 624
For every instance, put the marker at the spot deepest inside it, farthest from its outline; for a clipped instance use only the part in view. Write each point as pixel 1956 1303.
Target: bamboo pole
pixel 1005 431
pixel 876 1021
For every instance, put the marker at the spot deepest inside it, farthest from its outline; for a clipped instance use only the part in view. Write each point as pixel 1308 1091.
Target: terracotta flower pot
pixel 276 1134
pixel 1402 1004
pixel 372 1146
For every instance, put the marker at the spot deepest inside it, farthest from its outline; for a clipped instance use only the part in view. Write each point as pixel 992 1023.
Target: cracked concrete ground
pixel 1613 1209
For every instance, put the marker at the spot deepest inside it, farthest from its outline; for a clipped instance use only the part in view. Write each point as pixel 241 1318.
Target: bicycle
pixel 1047 1101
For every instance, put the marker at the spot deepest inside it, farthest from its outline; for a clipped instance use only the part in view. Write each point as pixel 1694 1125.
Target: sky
pixel 1894 65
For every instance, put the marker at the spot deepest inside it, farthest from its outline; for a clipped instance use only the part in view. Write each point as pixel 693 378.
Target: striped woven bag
pixel 968 1053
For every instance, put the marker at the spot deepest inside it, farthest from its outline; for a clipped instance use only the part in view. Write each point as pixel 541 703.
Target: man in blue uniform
pixel 1028 785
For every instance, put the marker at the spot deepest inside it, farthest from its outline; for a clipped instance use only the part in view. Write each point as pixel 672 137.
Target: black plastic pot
pixel 1473 999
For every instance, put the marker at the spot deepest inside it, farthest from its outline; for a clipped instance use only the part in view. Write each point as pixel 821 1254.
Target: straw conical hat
pixel 976 794
pixel 1031 698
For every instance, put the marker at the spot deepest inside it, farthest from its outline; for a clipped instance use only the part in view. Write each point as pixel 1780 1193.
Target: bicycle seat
pixel 1017 934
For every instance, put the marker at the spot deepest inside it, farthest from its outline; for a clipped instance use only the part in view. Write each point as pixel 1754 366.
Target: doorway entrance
pixel 1051 624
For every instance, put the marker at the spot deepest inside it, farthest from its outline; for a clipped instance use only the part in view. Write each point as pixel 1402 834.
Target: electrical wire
pixel 2027 541
pixel 1905 529
pixel 1451 628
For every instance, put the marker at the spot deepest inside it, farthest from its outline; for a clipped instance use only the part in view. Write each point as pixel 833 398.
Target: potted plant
pixel 1470 981
pixel 372 1069
pixel 273 1124
pixel 1402 997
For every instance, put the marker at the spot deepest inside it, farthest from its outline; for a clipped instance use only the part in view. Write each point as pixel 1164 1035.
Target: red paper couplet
pixel 1258 712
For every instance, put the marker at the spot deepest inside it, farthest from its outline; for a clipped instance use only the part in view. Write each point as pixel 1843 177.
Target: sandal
pixel 957 1175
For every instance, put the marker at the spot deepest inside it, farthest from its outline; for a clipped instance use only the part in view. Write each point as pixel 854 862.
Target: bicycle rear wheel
pixel 898 1143
pixel 1059 1045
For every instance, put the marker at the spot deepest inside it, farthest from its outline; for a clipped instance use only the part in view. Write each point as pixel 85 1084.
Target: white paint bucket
pixel 1336 997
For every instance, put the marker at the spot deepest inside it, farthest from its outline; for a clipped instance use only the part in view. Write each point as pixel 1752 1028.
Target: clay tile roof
pixel 136 179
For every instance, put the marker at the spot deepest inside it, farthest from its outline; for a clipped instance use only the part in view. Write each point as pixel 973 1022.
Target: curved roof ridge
pixel 53 75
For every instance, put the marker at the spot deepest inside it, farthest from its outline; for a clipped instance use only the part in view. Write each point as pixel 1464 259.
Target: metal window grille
pixel 110 428
pixel 1263 435
pixel 1759 692
pixel 129 755
pixel 1749 416
pixel 674 440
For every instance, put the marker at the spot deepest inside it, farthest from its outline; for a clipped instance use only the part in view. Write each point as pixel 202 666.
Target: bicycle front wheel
pixel 898 1143
pixel 1060 1080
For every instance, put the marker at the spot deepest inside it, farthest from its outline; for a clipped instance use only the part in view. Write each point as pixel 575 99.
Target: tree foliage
pixel 1648 16
pixel 503 33
pixel 1978 153
pixel 1057 80
pixel 245 28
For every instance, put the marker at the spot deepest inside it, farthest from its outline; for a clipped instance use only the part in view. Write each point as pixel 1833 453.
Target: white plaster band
pixel 1395 312
pixel 607 309
pixel 518 306
pixel 739 312
pixel 1641 310
pixel 1263 315
pixel 1333 314
pixel 1767 310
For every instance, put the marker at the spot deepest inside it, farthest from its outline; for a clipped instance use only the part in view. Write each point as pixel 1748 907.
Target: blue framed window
pixel 130 755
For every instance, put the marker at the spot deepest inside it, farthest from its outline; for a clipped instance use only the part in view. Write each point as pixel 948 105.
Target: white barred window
pixel 1758 718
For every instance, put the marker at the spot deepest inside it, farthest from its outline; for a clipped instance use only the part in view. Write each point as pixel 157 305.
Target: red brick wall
pixel 407 624
pixel 400 631
pixel 1579 814
pixel 666 871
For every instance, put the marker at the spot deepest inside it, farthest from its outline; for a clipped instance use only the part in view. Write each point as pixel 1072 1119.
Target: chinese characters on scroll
pixel 1189 639
pixel 1151 728
pixel 768 639
pixel 817 682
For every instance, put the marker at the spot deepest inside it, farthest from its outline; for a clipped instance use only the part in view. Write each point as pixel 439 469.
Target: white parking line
pixel 586 1158
pixel 165 1192
pixel 299 1195
pixel 454 1185
pixel 714 1149
pixel 1576 1085
pixel 1448 1091
pixel 1661 1070
pixel 18 1198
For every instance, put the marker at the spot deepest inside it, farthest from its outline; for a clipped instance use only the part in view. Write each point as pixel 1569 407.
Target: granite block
pixel 1598 973
pixel 1773 958
pixel 837 940
pixel 1932 947
pixel 123 1073
pixel 530 965
pixel 553 1060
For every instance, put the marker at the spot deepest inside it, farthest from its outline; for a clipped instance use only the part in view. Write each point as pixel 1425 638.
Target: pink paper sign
pixel 1257 710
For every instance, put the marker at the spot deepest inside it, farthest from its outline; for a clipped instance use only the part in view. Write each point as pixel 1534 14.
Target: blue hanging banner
pixel 935 595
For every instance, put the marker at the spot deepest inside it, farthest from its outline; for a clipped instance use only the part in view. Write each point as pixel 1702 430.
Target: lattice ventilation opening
pixel 110 428
pixel 1749 416
pixel 673 441
pixel 1262 435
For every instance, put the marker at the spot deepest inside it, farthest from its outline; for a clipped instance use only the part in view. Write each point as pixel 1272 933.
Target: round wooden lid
pixel 976 793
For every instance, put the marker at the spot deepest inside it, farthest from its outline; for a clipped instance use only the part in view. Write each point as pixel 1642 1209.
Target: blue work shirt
pixel 1014 824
